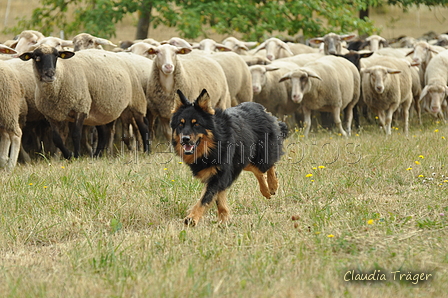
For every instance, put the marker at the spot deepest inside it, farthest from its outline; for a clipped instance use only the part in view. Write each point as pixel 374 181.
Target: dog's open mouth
pixel 190 147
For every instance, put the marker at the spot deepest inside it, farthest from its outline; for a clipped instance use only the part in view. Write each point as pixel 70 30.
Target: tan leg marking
pixel 272 180
pixel 223 208
pixel 197 211
pixel 261 180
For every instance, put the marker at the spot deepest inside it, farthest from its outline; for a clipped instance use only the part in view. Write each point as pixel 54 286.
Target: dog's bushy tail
pixel 283 129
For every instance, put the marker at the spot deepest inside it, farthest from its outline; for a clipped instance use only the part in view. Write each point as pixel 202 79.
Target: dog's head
pixel 192 125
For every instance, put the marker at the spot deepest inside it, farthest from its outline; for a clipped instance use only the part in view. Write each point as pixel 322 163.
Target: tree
pixel 252 19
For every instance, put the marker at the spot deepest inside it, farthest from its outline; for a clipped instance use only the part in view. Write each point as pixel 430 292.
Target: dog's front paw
pixel 189 221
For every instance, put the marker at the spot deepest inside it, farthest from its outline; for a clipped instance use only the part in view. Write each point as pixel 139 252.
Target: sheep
pixel 385 86
pixel 442 40
pixel 275 97
pixel 376 42
pixel 210 46
pixel 238 46
pixel 328 84
pixel 434 93
pixel 275 48
pixel 140 48
pixel 93 88
pixel 173 70
pixel 12 111
pixel 422 53
pixel 26 39
pixel 86 41
pixel 332 42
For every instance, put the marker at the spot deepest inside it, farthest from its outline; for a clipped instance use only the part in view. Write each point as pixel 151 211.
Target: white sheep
pixel 238 46
pixel 92 88
pixel 329 84
pixel 376 42
pixel 12 109
pixel 173 70
pixel 436 86
pixel 209 46
pixel 85 41
pixel 267 90
pixel 26 39
pixel 386 86
pixel 276 48
pixel 332 42
pixel 422 53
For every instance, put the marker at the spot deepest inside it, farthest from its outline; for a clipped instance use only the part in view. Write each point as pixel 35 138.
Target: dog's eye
pixel 181 124
pixel 196 124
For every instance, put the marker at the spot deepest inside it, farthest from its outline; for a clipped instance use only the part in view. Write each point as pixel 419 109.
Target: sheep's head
pixel 332 42
pixel 45 58
pixel 300 82
pixel 433 97
pixel 422 52
pixel 165 57
pixel 85 41
pixel 259 79
pixel 378 77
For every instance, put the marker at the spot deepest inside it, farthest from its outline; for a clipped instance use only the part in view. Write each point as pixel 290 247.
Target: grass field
pixel 112 227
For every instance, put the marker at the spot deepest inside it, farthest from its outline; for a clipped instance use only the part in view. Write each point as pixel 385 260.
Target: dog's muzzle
pixel 188 145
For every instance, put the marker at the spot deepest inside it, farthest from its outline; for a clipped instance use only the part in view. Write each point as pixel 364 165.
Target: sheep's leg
pixel 144 131
pixel 77 133
pixel 337 120
pixel 307 120
pixel 418 109
pixel 104 136
pixel 264 189
pixel 15 138
pixel 389 115
pixel 223 208
pixel 5 143
pixel 165 122
pixel 406 106
pixel 349 112
pixel 382 119
pixel 56 128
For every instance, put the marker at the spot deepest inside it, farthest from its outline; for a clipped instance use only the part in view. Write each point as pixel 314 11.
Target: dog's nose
pixel 185 139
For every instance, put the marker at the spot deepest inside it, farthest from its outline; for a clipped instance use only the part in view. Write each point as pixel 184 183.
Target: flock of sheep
pixel 54 88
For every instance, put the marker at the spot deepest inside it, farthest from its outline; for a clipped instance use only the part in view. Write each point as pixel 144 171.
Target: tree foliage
pixel 253 19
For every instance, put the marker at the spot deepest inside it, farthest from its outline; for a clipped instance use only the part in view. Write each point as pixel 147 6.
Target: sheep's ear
pixel 66 54
pixel 424 92
pixel 203 101
pixel 183 51
pixel 365 55
pixel 348 37
pixel 393 71
pixel 152 51
pixel 180 101
pixel 223 48
pixel 410 53
pixel 271 68
pixel 285 77
pixel 260 47
pixel 27 56
pixel 312 74
pixel 316 40
pixel 431 49
pixel 7 50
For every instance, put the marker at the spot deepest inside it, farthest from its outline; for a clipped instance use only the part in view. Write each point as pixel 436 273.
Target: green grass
pixel 112 227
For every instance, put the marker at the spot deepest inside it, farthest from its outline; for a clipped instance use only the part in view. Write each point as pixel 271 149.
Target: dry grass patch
pixel 113 227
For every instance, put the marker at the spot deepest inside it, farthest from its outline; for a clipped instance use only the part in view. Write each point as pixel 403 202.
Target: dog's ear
pixel 180 101
pixel 203 101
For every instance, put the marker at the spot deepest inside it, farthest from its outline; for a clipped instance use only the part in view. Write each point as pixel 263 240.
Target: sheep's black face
pixel 45 58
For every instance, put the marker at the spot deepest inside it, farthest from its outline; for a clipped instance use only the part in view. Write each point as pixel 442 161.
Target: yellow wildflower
pixel 309 175
pixel 330 236
pixel 370 222
pixel 417 162
pixel 30 184
pixel 408 169
pixel 420 176
pixel 421 156
pixel 436 130
pixel 321 167
pixel 165 169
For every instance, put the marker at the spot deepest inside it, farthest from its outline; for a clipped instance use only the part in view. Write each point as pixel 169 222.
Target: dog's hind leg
pixel 264 189
pixel 223 209
pixel 272 180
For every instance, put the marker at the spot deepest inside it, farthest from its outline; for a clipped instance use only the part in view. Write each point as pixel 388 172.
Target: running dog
pixel 219 144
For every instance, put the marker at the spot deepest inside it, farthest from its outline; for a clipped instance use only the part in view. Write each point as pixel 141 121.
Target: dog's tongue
pixel 188 148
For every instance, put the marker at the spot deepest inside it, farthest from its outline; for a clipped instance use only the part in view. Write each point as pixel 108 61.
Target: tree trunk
pixel 144 19
pixel 364 13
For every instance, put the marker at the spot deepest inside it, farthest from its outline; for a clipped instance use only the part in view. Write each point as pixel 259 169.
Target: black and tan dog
pixel 218 144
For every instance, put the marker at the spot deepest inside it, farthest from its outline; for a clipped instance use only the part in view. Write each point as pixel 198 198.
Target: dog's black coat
pixel 241 136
